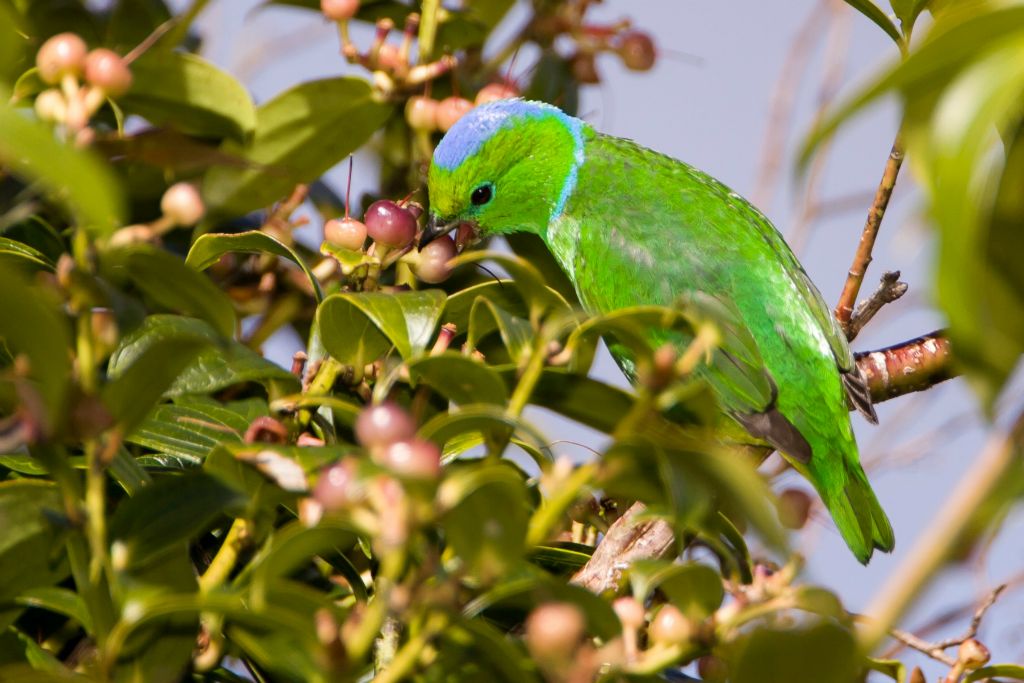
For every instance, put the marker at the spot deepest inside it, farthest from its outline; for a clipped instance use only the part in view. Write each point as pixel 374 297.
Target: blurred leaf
pixel 531 248
pixel 516 333
pixel 208 248
pixel 825 653
pixel 137 388
pixel 893 668
pixel 696 589
pixel 294 544
pixel 167 150
pixel 154 521
pixel 502 293
pixel 343 409
pixel 907 11
pixel 459 378
pixel 359 327
pixel 171 284
pixel 563 558
pixel 32 324
pixel 131 22
pixel 30 547
pixel 1015 671
pixel 870 10
pixel 75 178
pixel 13 44
pixel 57 600
pixel 538 296
pixel 300 134
pixel 18 254
pixel 191 94
pixel 230 364
pixel 586 400
pixel 487 420
pixel 553 82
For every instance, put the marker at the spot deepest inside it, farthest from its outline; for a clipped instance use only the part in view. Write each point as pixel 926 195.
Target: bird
pixel 630 226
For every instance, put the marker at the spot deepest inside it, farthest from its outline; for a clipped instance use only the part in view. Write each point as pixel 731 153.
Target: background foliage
pixel 174 505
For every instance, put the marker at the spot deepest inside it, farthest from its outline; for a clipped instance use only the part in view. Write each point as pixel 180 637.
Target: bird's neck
pixel 562 237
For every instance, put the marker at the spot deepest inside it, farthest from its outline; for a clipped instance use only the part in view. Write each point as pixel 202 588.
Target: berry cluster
pixel 429 115
pixel 392 228
pixel 64 61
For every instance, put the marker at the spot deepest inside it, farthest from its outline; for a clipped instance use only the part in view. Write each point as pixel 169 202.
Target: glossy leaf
pixel 484 419
pixel 996 671
pixel 20 254
pixel 459 378
pixel 299 135
pixel 74 178
pixel 57 600
pixel 358 328
pixel 30 543
pixel 502 293
pixel 516 333
pixel 538 296
pixel 191 427
pixel 870 10
pixel 208 248
pixel 172 285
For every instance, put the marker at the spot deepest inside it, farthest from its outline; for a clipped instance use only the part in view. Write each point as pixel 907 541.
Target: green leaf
pixel 208 248
pixel 57 600
pixel 171 284
pixel 132 21
pixel 484 419
pixel 459 378
pixel 32 324
pixel 190 94
pixel 517 335
pixel 578 397
pixel 294 544
pixel 20 254
pixel 29 547
pixel 870 10
pixel 825 653
pixel 137 388
pixel 357 328
pixel 893 668
pixel 346 411
pixel 538 296
pixel 502 293
pixel 229 364
pixel 75 178
pixel 996 670
pixel 696 589
pixel 907 11
pixel 155 521
pixel 191 427
pixel 300 134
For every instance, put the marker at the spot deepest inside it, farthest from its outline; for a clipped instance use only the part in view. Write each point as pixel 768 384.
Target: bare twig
pixel 930 649
pixel 889 289
pixel 907 367
pixel 627 540
pixel 855 276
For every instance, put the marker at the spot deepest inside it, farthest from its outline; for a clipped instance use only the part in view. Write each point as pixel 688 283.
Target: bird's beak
pixel 435 228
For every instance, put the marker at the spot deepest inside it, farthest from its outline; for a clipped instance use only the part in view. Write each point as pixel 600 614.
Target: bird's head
pixel 507 166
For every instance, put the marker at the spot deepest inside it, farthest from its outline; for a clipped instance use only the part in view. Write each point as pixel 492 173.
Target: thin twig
pixel 855 276
pixel 923 646
pixel 889 289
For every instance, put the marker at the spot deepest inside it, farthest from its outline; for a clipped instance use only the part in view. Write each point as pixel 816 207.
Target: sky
pixel 709 101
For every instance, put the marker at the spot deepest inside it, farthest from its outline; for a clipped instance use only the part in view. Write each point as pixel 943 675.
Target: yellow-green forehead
pixel 450 187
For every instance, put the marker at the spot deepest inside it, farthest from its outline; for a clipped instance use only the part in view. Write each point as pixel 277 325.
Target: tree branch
pixel 855 276
pixel 889 289
pixel 901 369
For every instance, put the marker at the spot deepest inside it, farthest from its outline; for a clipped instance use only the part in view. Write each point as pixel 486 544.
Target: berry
pixel 794 508
pixel 337 487
pixel 415 458
pixel 450 110
pixel 630 612
pixel 107 70
pixel 637 51
pixel 62 54
pixel 584 68
pixel 421 113
pixel 554 630
pixel 182 204
pixel 384 424
pixel 339 10
pixel 347 233
pixel 973 654
pixel 390 57
pixel 671 627
pixel 390 224
pixel 496 91
pixel 433 265
pixel 51 105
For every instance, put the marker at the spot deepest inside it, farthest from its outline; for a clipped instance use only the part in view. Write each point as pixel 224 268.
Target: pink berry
pixel 421 113
pixel 390 224
pixel 107 70
pixel 637 51
pixel 383 424
pixel 62 54
pixel 496 91
pixel 433 265
pixel 338 486
pixel 450 110
pixel 630 612
pixel 347 233
pixel 415 458
pixel 671 627
pixel 390 57
pixel 339 10
pixel 182 204
pixel 554 630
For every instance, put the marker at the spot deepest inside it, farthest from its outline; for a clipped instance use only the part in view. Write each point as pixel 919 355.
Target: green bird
pixel 629 227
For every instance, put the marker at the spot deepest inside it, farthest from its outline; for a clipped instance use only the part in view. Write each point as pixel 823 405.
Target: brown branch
pixel 901 369
pixel 855 276
pixel 907 367
pixel 889 289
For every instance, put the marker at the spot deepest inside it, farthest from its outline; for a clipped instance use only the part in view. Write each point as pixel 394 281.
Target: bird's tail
pixel 860 518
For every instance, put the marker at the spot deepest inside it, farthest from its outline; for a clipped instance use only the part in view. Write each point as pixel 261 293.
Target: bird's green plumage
pixel 630 226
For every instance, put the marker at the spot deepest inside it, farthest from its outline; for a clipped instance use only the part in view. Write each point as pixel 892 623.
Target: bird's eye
pixel 482 194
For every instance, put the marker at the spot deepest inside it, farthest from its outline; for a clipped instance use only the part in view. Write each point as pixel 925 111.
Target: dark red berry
pixel 383 424
pixel 637 51
pixel 390 224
